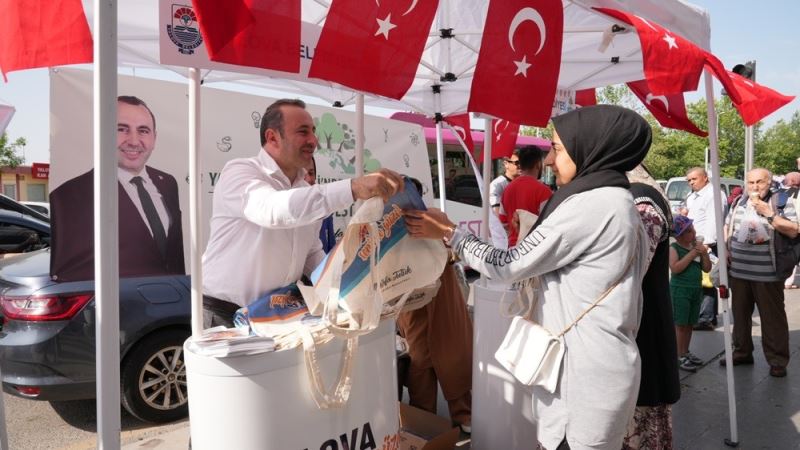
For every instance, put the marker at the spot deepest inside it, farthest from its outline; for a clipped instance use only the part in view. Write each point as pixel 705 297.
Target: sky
pixel 767 31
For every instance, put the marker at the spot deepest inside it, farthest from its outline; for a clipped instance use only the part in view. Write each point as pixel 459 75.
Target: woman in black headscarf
pixel 588 239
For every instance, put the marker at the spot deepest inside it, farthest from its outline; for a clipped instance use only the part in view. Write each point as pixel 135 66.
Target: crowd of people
pixel 604 234
pixel 760 222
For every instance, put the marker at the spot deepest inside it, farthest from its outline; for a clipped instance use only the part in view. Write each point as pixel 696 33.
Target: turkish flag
pixel 253 33
pixel 671 63
pixel 757 101
pixel 373 46
pixel 39 33
pixel 669 110
pixel 519 61
pixel 461 125
pixel 504 139
pixel 585 97
pixel 718 70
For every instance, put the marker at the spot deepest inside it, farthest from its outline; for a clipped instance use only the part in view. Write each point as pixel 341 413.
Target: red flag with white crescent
pixel 38 33
pixel 757 101
pixel 504 139
pixel 252 33
pixel 671 63
pixel 461 125
pixel 373 46
pixel 519 61
pixel 669 110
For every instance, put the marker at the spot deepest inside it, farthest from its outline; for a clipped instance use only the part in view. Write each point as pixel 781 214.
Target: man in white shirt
pixel 497 230
pixel 700 206
pixel 266 217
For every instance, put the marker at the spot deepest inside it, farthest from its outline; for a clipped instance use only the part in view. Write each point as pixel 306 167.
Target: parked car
pixel 42 207
pixel 10 204
pixel 20 233
pixel 678 189
pixel 465 190
pixel 47 343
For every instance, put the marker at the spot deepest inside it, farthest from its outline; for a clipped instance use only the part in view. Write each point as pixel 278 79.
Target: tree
pixel 779 146
pixel 8 151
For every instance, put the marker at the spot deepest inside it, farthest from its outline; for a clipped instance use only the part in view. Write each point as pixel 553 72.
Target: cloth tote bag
pixel 376 263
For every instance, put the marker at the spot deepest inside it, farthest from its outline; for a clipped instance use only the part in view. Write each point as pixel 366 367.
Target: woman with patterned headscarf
pixel 588 239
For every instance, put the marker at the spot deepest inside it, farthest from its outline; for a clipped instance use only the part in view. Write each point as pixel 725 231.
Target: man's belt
pixel 220 305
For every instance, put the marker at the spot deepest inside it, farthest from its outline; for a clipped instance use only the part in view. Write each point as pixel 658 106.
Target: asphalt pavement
pixel 767 408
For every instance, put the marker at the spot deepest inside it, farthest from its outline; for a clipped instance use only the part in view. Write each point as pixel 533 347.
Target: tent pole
pixel 106 225
pixel 488 139
pixel 359 134
pixel 437 102
pixel 722 252
pixel 195 203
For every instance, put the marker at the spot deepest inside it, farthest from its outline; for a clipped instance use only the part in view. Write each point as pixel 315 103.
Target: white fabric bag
pixel 375 262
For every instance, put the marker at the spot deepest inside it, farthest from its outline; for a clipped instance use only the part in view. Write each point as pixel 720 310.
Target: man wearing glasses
pixel 526 192
pixel 496 188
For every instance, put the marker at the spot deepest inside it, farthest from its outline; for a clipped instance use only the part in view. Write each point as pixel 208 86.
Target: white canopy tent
pixel 593 55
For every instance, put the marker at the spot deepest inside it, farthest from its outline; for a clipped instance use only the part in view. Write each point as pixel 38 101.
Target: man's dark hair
pixel 529 156
pixel 273 116
pixel 136 101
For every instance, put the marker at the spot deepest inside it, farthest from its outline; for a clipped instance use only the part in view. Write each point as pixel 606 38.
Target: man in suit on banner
pixel 150 233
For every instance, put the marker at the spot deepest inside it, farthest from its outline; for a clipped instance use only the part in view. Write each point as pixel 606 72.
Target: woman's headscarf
pixel 604 141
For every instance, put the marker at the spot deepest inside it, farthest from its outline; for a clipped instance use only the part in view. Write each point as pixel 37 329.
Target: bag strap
pixel 339 393
pixel 372 314
pixel 634 250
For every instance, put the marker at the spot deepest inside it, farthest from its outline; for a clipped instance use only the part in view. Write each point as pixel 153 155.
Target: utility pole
pixel 747 70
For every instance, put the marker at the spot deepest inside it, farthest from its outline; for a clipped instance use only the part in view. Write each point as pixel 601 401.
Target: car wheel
pixel 153 378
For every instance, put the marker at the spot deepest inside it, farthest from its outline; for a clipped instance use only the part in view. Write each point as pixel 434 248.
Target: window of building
pixel 36 193
pixel 10 190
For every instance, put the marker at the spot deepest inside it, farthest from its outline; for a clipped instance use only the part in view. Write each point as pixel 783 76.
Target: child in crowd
pixel 688 258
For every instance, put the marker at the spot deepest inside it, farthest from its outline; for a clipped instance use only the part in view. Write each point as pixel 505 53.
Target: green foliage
pixel 8 151
pixel 779 147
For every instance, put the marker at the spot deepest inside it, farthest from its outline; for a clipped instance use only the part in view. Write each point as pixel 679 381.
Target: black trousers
pixel 218 312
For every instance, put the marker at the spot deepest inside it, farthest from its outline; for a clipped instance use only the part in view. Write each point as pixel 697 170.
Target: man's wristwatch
pixel 770 219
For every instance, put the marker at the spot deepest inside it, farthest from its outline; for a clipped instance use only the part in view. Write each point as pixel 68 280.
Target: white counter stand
pixel 501 406
pixel 263 402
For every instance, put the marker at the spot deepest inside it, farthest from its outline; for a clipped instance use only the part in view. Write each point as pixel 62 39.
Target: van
pixel 678 189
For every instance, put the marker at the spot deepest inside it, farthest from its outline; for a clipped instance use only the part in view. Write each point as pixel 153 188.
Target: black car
pixel 464 189
pixel 47 343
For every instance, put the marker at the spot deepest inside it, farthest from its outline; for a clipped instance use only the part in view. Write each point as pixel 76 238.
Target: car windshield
pixel 678 190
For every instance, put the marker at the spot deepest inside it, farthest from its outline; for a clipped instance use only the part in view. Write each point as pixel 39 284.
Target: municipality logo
pixel 184 32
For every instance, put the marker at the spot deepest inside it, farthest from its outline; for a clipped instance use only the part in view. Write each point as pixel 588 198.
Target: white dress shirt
pixel 265 229
pixel 701 210
pixel 125 178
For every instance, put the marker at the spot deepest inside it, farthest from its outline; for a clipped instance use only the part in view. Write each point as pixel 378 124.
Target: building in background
pixel 26 183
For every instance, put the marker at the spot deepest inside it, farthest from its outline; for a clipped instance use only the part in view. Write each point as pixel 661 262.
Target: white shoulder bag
pixel 531 352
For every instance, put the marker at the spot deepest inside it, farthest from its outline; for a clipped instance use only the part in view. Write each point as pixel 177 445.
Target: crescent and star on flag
pixel 386 25
pixel 663 99
pixel 532 15
pixel 497 132
pixel 669 39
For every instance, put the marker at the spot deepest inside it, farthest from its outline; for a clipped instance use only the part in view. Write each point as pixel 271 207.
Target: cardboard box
pixel 421 430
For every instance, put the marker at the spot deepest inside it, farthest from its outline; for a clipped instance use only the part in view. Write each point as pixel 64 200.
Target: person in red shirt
pixel 526 191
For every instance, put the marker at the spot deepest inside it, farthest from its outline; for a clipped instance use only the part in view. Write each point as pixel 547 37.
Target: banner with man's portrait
pixel 152 150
